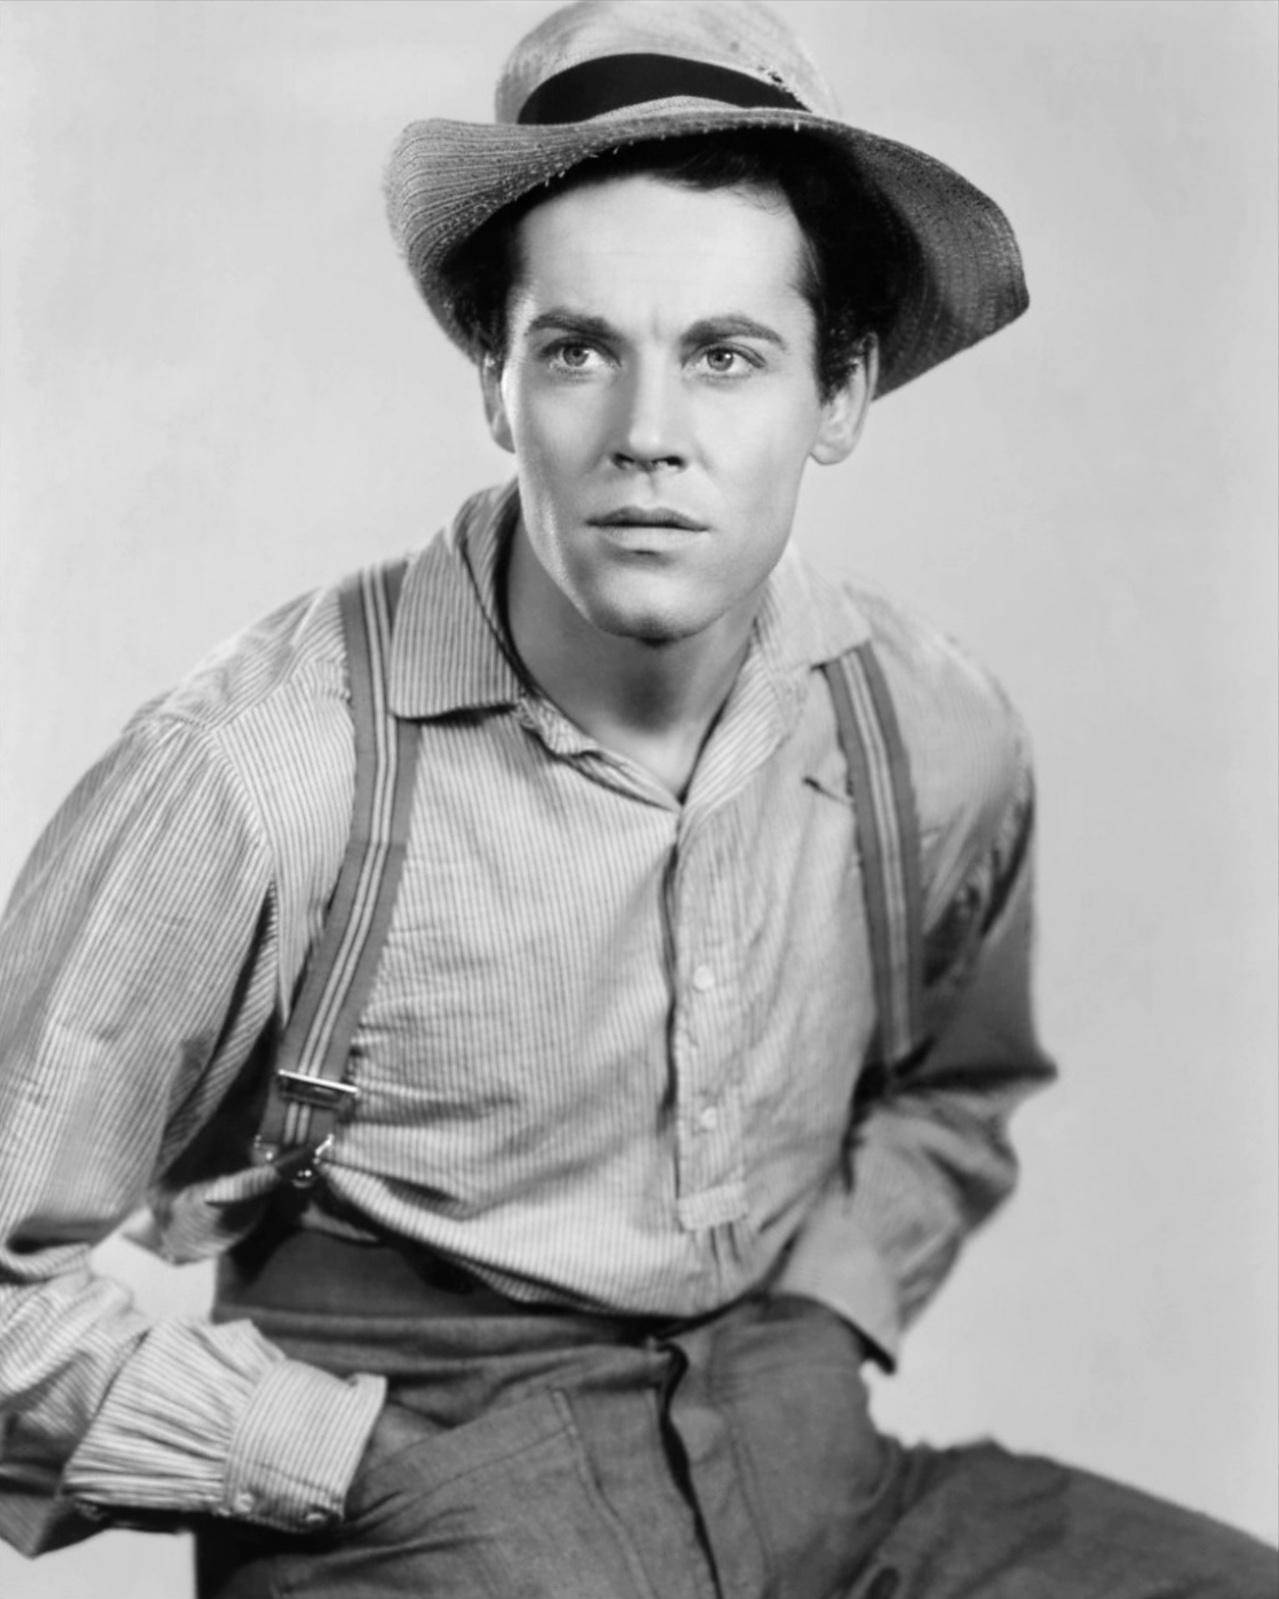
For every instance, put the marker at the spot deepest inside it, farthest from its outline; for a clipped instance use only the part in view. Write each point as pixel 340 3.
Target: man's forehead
pixel 640 232
pixel 584 194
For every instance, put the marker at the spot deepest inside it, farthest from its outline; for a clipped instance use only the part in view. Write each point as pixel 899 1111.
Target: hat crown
pixel 736 36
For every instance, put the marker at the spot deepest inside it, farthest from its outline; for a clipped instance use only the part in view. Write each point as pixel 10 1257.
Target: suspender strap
pixel 879 784
pixel 311 1088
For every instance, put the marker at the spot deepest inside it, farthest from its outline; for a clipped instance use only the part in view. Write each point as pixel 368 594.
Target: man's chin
pixel 653 626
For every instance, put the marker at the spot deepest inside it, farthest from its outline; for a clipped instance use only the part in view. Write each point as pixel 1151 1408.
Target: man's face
pixel 660 396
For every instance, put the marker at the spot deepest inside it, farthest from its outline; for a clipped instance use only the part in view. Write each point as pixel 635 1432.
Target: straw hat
pixel 603 74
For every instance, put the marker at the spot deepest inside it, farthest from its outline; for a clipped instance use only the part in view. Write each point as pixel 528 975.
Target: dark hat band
pixel 612 83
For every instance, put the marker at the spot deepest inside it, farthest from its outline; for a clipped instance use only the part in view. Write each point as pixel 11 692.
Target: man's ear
pixel 494 405
pixel 844 413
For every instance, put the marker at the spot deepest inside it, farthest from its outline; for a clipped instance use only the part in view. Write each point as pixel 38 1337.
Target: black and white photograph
pixel 639 760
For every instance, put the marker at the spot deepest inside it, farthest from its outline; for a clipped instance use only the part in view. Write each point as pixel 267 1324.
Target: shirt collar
pixel 450 649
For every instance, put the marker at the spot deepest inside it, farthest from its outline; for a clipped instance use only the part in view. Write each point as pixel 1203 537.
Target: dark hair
pixel 847 274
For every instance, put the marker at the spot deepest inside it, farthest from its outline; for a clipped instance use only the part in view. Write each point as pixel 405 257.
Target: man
pixel 642 1135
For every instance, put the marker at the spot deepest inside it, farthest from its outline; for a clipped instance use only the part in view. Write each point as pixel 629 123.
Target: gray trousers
pixel 549 1456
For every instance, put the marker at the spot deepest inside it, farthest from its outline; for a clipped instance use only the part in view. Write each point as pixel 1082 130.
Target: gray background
pixel 218 390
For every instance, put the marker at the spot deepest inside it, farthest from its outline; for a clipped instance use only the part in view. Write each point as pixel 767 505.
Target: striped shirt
pixel 608 1055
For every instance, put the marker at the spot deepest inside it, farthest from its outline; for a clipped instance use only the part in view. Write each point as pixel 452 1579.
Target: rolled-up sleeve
pixel 137 974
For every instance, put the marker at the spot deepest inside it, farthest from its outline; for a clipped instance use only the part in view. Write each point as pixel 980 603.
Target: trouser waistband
pixel 308 1283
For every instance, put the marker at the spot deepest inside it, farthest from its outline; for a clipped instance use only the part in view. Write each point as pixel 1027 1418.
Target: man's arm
pixel 137 971
pixel 930 1156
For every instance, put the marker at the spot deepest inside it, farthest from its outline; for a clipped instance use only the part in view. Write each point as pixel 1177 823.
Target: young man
pixel 579 983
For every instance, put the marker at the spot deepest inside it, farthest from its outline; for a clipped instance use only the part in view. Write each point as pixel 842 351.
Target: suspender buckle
pixel 322 1093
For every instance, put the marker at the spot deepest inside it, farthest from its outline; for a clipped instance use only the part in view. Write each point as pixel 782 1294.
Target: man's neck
pixel 654 703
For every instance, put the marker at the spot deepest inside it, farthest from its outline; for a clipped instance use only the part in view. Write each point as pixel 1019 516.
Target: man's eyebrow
pixel 559 319
pixel 734 325
pixel 708 330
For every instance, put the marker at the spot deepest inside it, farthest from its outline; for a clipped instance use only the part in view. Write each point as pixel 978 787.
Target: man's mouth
pixel 648 516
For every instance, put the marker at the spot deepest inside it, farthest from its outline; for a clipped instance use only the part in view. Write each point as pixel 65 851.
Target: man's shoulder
pixel 967 745
pixel 293 652
pixel 273 700
pixel 268 710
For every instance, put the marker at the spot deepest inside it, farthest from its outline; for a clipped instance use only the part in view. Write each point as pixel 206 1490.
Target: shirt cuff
pixel 297 1448
pixel 206 1420
pixel 830 1262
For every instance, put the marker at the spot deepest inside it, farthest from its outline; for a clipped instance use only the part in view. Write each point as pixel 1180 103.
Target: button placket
pixel 700 904
pixel 708 1151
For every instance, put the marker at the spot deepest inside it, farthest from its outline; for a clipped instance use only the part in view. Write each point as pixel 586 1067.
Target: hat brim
pixel 958 276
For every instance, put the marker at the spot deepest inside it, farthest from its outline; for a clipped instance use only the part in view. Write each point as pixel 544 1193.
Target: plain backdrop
pixel 219 389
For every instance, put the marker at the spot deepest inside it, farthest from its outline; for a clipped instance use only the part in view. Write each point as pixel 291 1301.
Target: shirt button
pixel 316 1518
pixel 703 979
pixel 708 1120
pixel 243 1503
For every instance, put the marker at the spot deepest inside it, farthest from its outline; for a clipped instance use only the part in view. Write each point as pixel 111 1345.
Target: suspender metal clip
pixel 321 1092
pixel 299 1165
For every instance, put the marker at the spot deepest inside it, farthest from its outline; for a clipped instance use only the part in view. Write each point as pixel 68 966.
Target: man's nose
pixel 651 422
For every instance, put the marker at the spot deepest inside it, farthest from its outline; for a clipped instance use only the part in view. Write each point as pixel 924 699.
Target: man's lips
pixel 647 516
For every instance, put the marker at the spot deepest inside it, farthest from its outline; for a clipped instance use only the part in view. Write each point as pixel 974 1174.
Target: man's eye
pixel 567 356
pixel 724 362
